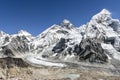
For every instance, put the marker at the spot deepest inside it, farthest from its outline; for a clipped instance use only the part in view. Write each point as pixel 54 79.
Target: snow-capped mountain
pixel 105 30
pixel 55 33
pixel 3 37
pixel 15 45
pixel 97 41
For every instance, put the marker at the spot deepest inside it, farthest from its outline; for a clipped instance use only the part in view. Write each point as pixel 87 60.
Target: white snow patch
pixel 66 21
pixel 22 32
pixel 111 50
pixel 36 61
pixel 106 46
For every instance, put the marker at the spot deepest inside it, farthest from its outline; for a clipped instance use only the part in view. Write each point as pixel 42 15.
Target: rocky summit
pixel 95 45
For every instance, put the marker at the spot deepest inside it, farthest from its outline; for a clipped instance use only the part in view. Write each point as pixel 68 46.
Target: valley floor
pixel 15 69
pixel 55 74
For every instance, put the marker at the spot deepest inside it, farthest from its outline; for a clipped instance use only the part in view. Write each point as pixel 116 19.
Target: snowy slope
pixel 55 32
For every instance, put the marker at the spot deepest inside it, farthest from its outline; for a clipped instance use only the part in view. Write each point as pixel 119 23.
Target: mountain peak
pixel 66 24
pixel 23 32
pixel 102 16
pixel 66 21
pixel 105 11
pixel 2 33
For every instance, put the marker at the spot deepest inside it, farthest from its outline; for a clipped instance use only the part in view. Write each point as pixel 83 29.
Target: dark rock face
pixel 87 50
pixel 11 62
pixel 62 31
pixel 60 46
pixel 77 49
pixel 91 50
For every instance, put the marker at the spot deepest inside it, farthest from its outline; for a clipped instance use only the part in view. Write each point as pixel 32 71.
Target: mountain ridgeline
pixel 98 41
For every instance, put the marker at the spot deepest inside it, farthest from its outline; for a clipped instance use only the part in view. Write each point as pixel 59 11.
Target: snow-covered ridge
pixel 97 41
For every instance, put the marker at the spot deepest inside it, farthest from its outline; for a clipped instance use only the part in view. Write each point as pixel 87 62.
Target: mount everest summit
pixel 98 41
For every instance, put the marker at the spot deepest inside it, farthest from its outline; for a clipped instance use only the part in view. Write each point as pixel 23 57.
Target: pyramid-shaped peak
pixel 103 15
pixel 66 21
pixel 2 33
pixel 66 24
pixel 105 11
pixel 23 32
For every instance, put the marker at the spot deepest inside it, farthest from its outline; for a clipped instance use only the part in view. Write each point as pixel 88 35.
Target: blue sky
pixel 35 16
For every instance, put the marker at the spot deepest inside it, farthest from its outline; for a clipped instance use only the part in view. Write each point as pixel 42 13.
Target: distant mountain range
pixel 98 41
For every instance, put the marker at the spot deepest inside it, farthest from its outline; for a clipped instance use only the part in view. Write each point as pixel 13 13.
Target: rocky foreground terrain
pixel 16 69
pixel 64 52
